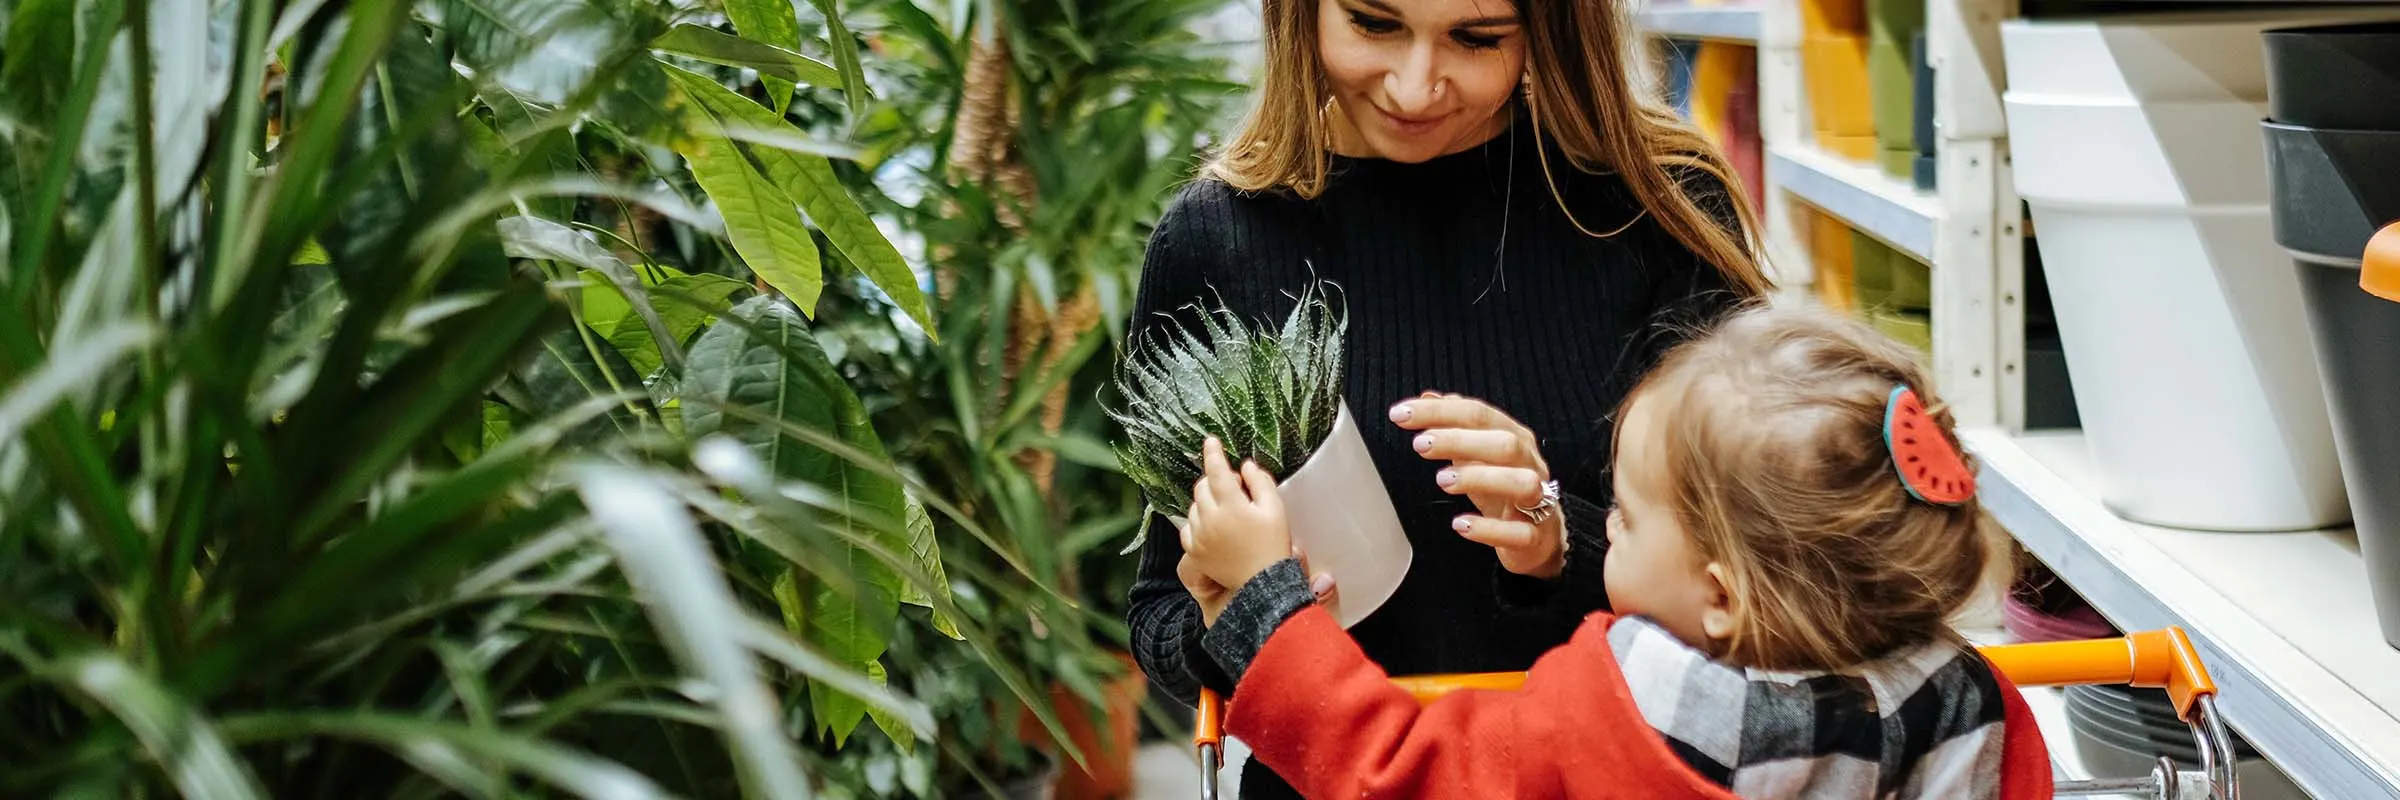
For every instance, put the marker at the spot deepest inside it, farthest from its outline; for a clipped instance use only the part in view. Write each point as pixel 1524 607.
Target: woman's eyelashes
pixel 1373 25
pixel 1469 38
pixel 1476 41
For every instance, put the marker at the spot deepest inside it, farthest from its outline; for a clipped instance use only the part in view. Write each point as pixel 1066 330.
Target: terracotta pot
pixel 1107 744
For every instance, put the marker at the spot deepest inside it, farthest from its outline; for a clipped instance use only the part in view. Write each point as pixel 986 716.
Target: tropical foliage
pixel 459 397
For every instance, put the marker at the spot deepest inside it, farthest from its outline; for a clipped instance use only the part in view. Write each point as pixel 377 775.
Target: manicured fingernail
pixel 1401 412
pixel 1462 524
pixel 1447 478
pixel 1322 584
pixel 1424 443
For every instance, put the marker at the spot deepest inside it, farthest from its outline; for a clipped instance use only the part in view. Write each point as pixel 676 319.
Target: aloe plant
pixel 1270 394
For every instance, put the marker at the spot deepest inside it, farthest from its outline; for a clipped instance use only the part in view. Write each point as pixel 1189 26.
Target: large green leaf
pixel 772 22
pixel 845 55
pixel 810 179
pixel 928 552
pixel 761 220
pixel 902 735
pixel 534 237
pixel 540 49
pixel 683 303
pixel 772 61
pixel 572 366
pixel 764 358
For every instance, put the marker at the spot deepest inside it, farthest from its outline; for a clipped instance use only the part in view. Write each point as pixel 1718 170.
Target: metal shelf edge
pixel 2058 523
pixel 1858 195
pixel 1734 23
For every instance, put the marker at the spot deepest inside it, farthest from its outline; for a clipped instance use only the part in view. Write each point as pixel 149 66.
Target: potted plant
pixel 1272 396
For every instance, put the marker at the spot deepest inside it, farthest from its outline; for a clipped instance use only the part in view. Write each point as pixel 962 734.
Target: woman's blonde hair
pixel 1775 451
pixel 1580 94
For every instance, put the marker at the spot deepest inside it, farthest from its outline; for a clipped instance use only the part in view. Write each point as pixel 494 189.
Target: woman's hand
pixel 1237 527
pixel 1495 463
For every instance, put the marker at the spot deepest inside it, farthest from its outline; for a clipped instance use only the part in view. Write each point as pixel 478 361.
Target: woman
pixel 1516 238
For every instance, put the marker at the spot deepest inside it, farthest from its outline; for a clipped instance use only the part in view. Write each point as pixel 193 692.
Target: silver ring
pixel 1542 512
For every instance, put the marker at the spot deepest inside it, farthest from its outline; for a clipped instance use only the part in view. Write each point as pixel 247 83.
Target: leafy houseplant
pixel 1273 396
pixel 350 447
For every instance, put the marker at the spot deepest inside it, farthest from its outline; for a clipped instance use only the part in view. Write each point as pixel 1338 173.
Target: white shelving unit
pixel 1861 195
pixel 1727 23
pixel 1966 230
pixel 2282 620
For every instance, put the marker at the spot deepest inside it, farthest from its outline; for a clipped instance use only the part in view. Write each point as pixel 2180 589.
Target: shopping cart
pixel 2162 659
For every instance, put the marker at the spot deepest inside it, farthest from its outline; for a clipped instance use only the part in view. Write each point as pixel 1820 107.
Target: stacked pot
pixel 2333 158
pixel 2183 326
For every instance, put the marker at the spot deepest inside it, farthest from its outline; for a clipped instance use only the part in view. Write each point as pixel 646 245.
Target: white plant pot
pixel 2207 56
pixel 2193 375
pixel 2119 153
pixel 2136 145
pixel 1344 520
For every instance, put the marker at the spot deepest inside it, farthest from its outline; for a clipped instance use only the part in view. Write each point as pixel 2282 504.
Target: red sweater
pixel 1317 711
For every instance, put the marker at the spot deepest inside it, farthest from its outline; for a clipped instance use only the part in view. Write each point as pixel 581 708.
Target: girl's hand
pixel 1237 527
pixel 1496 463
pixel 1211 595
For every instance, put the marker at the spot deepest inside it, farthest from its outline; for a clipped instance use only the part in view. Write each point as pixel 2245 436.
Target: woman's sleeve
pixel 1163 618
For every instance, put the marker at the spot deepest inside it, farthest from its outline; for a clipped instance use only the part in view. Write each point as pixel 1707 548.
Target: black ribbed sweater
pixel 1461 275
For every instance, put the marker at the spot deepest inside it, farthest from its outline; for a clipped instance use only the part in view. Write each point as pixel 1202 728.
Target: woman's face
pixel 1416 79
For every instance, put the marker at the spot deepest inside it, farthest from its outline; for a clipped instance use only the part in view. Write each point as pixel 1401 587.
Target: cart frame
pixel 2160 659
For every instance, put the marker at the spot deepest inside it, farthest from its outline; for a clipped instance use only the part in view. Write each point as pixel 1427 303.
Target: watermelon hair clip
pixel 1930 466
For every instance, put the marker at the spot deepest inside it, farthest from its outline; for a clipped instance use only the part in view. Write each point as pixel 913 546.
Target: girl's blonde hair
pixel 1579 92
pixel 1775 449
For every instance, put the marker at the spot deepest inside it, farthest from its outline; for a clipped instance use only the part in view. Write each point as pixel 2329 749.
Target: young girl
pixel 1780 567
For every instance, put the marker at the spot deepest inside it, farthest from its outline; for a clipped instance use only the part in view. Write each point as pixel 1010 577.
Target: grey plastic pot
pixel 2332 191
pixel 2337 77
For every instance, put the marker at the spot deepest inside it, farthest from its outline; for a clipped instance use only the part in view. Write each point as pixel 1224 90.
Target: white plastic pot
pixel 1343 519
pixel 2206 56
pixel 2118 152
pixel 2193 376
pixel 2184 330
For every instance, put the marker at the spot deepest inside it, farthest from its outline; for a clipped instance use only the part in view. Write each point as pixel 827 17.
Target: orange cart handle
pixel 2160 659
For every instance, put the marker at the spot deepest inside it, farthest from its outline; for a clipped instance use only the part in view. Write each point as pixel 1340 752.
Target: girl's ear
pixel 1716 621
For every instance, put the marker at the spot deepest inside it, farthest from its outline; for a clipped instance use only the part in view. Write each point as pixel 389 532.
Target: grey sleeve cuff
pixel 1581 586
pixel 1257 609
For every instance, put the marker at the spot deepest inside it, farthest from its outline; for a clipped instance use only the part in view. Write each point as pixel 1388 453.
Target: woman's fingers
pixel 1452 411
pixel 1516 486
pixel 1479 446
pixel 1498 534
